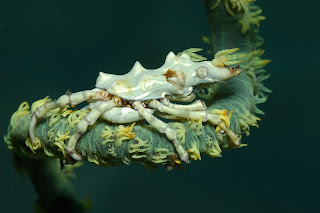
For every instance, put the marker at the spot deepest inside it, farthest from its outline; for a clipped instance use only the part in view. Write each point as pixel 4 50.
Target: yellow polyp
pixel 134 149
pixel 223 57
pixel 76 116
pixel 124 133
pixel 220 112
pixel 249 18
pixel 126 161
pixel 230 115
pixel 243 145
pixel 60 148
pixel 138 150
pixel 51 133
pixel 33 145
pixel 199 123
pixel 161 155
pixel 180 129
pixel 165 150
pixel 108 135
pixel 225 52
pixel 193 55
pixel 243 121
pixel 68 169
pixel 138 156
pixel 223 116
pixel 227 63
pixel 66 111
pixel 177 161
pixel 60 141
pixel 93 160
pixel 141 146
pixel 54 119
pixel 244 12
pixel 8 142
pixel 39 103
pixel 254 61
pixel 196 126
pixel 62 137
pixel 22 111
pixel 158 159
pixel 48 152
pixel 111 151
pixel 219 62
pixel 214 150
pixel 194 152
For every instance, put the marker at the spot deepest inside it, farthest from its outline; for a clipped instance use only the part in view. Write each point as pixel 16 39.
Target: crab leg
pixel 195 106
pixel 64 100
pixel 213 118
pixel 82 126
pixel 162 127
pixel 188 98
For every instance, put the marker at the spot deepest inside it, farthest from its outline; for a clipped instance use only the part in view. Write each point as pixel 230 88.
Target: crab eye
pixel 202 72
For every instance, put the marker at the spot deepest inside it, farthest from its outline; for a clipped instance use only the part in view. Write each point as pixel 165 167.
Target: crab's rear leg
pixel 82 126
pixel 64 100
pixel 162 127
pixel 197 115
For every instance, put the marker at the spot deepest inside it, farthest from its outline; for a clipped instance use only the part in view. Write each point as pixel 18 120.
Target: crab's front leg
pixel 64 100
pixel 162 127
pixel 82 126
pixel 197 115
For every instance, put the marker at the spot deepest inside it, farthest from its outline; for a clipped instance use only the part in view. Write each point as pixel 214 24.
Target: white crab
pixel 138 94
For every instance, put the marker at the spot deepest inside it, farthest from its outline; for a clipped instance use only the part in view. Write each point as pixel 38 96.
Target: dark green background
pixel 49 47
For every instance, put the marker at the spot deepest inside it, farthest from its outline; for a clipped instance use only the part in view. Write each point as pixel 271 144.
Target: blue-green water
pixel 49 47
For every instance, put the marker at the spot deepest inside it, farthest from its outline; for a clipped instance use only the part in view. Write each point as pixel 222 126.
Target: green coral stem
pixel 55 190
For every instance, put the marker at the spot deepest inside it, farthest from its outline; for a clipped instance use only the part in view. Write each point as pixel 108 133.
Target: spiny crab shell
pixel 177 76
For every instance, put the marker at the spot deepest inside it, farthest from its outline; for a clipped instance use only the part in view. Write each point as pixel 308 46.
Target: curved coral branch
pixel 111 144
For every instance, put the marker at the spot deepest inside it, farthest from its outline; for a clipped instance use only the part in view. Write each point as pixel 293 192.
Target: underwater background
pixel 50 47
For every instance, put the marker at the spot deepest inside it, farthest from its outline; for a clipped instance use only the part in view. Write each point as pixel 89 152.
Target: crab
pixel 140 93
